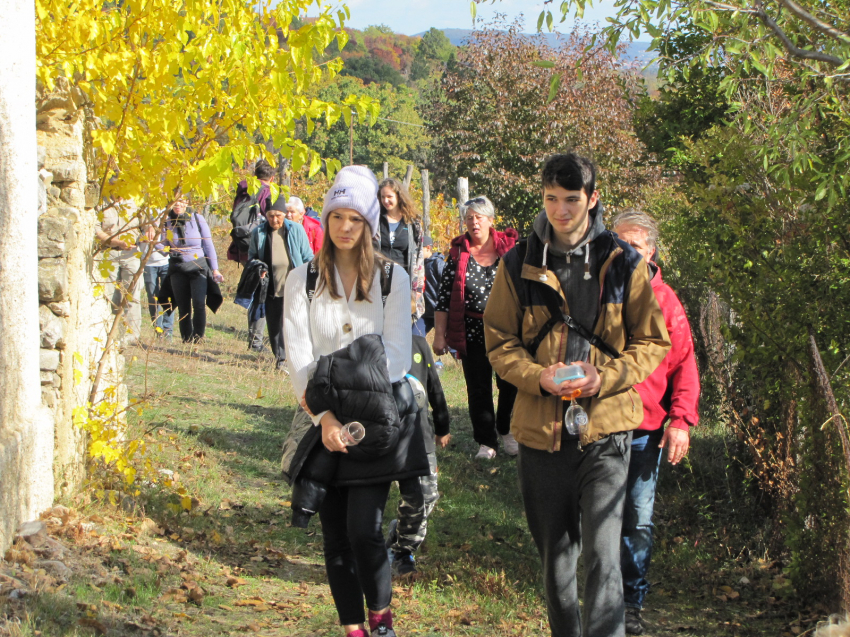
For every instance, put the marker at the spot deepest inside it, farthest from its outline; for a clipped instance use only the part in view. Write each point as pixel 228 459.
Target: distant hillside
pixel 635 50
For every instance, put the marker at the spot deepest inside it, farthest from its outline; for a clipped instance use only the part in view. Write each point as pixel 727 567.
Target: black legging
pixel 486 422
pixel 274 321
pixel 355 553
pixel 189 286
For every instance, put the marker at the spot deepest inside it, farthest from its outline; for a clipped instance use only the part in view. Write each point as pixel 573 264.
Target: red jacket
pixel 315 233
pixel 672 390
pixel 456 329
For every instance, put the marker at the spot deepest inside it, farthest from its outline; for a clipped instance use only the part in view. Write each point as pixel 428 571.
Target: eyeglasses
pixel 476 200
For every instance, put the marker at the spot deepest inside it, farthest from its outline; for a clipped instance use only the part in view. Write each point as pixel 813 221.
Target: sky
pixel 415 16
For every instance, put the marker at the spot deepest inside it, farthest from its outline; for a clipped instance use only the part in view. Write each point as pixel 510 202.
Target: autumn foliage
pixel 493 120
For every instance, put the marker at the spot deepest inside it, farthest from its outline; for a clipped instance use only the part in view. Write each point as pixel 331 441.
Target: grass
pixel 216 415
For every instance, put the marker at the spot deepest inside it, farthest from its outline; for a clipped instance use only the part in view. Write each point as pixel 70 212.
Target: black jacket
pixel 353 383
pixel 424 371
pixel 434 267
pixel 252 285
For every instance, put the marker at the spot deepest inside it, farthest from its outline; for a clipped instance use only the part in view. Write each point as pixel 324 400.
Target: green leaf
pixel 544 64
pixel 554 85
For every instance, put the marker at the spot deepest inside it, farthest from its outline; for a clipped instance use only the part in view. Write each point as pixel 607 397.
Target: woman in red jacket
pixel 459 323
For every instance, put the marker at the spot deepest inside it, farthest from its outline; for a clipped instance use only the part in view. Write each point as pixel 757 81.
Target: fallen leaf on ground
pixel 89 622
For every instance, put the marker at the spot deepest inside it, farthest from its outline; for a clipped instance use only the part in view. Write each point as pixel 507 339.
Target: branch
pixel 821 26
pixel 790 46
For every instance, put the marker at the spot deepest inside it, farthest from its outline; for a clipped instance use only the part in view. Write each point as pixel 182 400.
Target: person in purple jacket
pixel 191 255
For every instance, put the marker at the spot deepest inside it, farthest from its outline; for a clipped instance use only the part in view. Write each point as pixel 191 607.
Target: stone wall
pixel 74 314
pixel 26 427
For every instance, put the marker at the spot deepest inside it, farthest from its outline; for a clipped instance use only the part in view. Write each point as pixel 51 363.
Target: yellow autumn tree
pixel 187 89
pixel 184 92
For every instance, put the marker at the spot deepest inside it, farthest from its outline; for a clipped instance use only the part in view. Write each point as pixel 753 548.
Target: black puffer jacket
pixel 353 383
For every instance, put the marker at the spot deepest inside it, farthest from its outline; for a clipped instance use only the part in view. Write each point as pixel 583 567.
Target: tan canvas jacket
pixel 629 320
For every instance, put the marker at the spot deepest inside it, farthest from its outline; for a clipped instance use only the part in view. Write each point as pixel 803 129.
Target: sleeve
pixel 397 333
pixel 436 397
pixel 304 245
pixel 447 280
pixel 682 373
pixel 163 237
pixel 253 243
pixel 648 341
pixel 502 334
pixel 316 238
pixel 207 242
pixel 297 335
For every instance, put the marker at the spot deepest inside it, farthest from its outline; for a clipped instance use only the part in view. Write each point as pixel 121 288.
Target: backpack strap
pixel 557 315
pixel 313 280
pixel 386 280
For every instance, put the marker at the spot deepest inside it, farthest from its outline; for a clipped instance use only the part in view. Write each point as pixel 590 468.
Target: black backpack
pixel 244 218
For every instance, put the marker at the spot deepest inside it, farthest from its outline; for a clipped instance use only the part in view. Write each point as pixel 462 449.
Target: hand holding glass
pixel 352 433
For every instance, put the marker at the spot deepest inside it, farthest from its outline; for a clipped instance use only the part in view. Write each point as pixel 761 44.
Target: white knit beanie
pixel 354 187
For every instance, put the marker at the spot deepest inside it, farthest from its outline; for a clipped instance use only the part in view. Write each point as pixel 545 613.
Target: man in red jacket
pixel 671 394
pixel 315 234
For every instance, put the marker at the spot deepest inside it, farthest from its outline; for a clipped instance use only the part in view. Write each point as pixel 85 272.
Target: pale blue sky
pixel 414 16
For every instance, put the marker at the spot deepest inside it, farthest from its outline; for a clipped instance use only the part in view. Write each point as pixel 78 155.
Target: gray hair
pixel 480 206
pixel 633 217
pixel 296 203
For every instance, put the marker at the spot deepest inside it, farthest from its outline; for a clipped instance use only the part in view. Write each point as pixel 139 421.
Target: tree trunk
pixel 462 198
pixel 426 203
pixel 26 427
pixel 836 420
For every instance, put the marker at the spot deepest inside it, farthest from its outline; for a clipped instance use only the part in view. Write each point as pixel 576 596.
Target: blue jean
pixel 154 276
pixel 636 544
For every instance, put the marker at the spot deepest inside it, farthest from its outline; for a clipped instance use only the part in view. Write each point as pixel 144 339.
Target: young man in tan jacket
pixel 574 293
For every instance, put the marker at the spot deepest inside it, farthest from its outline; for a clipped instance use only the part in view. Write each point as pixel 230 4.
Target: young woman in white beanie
pixel 346 304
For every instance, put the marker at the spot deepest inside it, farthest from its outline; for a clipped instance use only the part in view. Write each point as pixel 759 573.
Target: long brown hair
pixel 368 263
pixel 408 209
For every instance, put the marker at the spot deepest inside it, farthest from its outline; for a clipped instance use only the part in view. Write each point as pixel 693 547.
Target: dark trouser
pixel 355 554
pixel 418 498
pixel 255 332
pixel 274 321
pixel 429 323
pixel 570 495
pixel 154 275
pixel 189 285
pixel 636 548
pixel 487 423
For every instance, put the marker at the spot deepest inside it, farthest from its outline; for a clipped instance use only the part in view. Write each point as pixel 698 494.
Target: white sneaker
pixel 485 453
pixel 510 444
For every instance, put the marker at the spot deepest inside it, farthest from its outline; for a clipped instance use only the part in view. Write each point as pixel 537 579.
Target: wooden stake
pixel 426 202
pixel 462 198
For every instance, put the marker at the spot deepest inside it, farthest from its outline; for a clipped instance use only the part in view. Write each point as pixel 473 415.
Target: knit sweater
pixel 196 242
pixel 325 325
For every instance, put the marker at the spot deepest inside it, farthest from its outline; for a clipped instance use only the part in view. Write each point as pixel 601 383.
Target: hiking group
pixel 591 352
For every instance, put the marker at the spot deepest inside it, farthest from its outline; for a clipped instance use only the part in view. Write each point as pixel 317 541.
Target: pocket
pixel 622 442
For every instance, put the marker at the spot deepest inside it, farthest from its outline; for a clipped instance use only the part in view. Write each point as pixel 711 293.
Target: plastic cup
pixel 352 433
